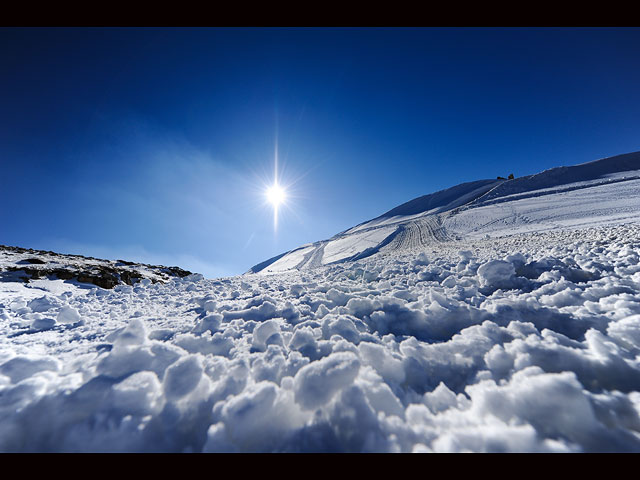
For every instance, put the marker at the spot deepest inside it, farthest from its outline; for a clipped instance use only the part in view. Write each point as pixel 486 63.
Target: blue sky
pixel 156 145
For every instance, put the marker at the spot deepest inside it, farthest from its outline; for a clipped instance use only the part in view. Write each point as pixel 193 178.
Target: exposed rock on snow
pixel 28 264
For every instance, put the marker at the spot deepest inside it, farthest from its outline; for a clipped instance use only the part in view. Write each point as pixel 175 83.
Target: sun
pixel 276 195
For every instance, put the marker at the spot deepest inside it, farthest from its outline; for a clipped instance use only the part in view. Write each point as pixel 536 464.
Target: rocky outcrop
pixel 27 264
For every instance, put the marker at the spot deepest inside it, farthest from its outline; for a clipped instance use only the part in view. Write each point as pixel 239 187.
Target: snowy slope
pixel 605 191
pixel 496 323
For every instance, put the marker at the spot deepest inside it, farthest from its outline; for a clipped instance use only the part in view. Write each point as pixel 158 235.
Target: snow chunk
pixel 342 326
pixel 440 399
pixel 259 419
pixel 139 394
pixel 338 297
pixel 265 311
pixel 25 366
pixel 497 274
pixel 554 404
pixel 378 393
pixel 304 341
pixel 209 323
pixel 42 304
pixel 465 255
pixel 359 307
pixel 125 360
pixel 135 333
pixel 43 323
pixel 68 315
pixel 379 357
pixel 183 376
pixel 316 383
pixel 219 343
pixel 266 333
pixel 420 260
pixel 626 331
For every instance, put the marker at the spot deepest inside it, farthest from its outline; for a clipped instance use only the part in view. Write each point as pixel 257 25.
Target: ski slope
pixel 602 192
pixel 504 318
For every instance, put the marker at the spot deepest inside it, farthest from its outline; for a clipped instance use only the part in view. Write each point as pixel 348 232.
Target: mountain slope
pixel 601 192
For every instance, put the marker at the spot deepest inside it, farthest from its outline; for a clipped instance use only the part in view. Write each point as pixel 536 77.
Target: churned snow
pixel 522 343
pixel 514 328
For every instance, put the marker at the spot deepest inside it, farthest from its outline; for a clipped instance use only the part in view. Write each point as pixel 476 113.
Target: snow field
pixel 593 204
pixel 519 343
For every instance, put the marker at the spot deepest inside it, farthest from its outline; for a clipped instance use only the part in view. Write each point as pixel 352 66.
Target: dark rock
pixel 35 261
pixel 63 274
pixel 107 281
pixel 104 281
pixel 129 277
pixel 178 272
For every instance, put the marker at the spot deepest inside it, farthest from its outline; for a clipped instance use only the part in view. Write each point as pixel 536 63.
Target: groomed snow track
pixel 412 235
pixel 419 233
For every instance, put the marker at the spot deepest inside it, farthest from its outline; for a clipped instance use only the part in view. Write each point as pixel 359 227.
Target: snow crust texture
pixel 529 342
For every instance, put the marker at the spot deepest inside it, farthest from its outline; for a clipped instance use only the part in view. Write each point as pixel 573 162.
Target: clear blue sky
pixel 154 145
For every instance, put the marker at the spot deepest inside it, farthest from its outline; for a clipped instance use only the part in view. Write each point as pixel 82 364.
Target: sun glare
pixel 277 190
pixel 276 195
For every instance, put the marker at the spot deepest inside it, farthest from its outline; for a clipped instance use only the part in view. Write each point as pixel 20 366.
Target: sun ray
pixel 276 194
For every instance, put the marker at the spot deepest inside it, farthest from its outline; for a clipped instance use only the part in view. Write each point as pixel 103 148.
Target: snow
pixel 443 339
pixel 292 260
pixel 590 205
pixel 499 273
pixel 316 384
